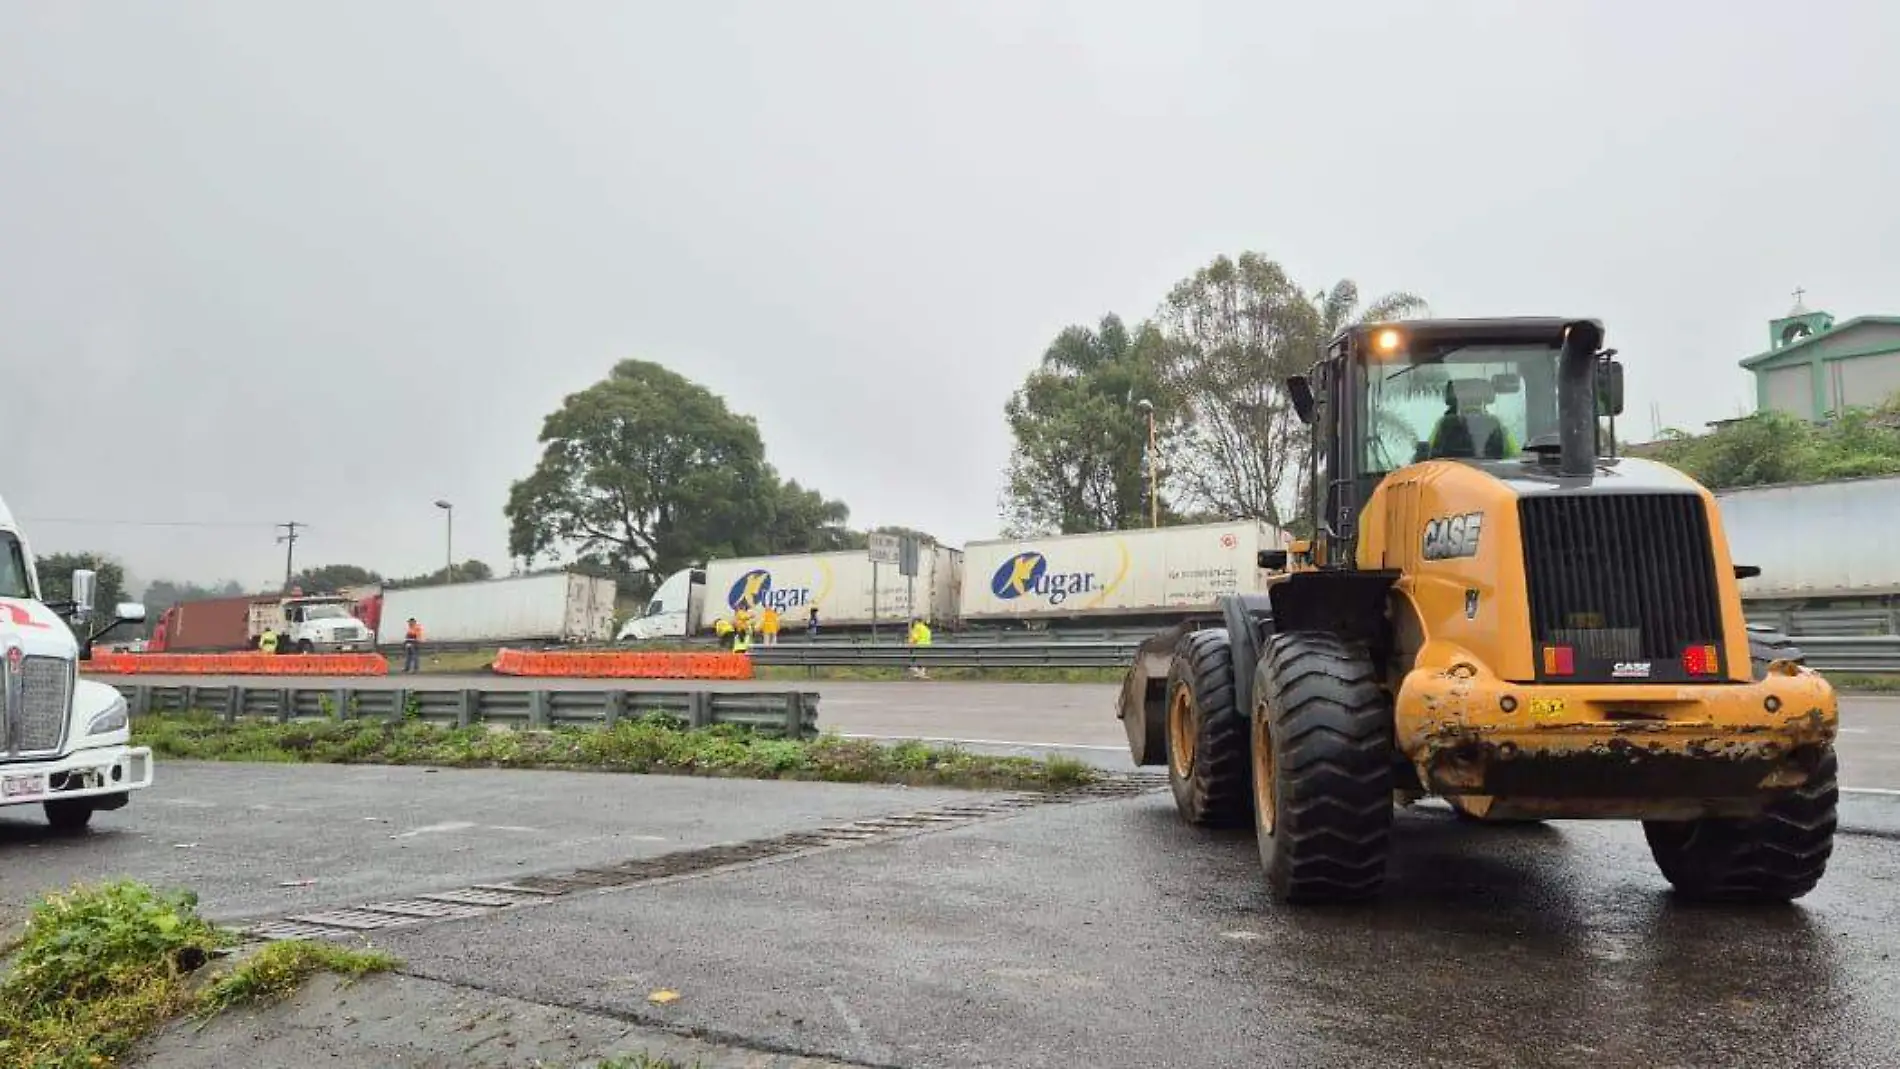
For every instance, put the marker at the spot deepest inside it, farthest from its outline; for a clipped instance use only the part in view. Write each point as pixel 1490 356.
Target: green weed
pixel 655 743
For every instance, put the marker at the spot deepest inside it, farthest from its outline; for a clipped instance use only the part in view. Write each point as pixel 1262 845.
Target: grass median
pixel 652 744
pixel 101 966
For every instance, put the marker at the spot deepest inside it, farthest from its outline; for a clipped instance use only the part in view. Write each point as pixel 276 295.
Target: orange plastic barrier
pixel 611 664
pixel 237 664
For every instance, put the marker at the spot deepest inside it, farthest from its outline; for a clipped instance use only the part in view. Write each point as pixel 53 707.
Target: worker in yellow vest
pixel 741 641
pixel 741 618
pixel 722 628
pixel 267 642
pixel 919 636
pixel 769 625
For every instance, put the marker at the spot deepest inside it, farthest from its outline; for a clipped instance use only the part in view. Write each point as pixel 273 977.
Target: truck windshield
pixel 325 612
pixel 13 582
pixel 1484 402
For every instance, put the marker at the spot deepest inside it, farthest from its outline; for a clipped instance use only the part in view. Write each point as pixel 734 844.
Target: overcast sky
pixel 328 262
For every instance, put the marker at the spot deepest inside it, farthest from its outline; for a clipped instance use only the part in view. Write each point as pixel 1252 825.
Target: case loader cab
pixel 1487 391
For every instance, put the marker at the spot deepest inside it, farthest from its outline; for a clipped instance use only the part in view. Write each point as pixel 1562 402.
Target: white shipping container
pixel 1165 570
pixel 838 583
pixel 563 607
pixel 1815 539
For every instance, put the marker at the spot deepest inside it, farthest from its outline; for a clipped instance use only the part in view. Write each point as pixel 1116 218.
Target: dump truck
pixel 1495 611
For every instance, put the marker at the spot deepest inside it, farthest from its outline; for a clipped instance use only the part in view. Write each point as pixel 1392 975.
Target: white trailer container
pixel 561 607
pixel 839 584
pixel 1815 540
pixel 1145 573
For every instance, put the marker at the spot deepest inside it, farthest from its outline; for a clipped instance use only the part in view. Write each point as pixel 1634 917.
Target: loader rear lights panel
pixel 1703 660
pixel 1627 581
pixel 1559 661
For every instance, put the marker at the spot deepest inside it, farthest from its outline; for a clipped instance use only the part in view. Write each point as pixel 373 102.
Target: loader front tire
pixel 1776 857
pixel 1322 769
pixel 1206 734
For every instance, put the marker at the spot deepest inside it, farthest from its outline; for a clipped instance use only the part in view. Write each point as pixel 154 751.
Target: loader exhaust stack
pixel 1576 397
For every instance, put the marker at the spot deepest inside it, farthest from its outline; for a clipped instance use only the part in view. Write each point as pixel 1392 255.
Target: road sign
pixel 886 549
pixel 910 549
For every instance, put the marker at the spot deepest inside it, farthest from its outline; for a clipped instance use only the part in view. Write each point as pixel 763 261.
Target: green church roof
pixel 1839 328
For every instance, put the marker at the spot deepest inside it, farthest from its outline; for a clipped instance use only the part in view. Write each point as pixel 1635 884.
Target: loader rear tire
pixel 1206 734
pixel 1322 769
pixel 1776 857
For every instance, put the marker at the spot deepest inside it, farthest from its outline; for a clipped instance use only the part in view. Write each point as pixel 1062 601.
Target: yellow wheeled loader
pixel 1495 611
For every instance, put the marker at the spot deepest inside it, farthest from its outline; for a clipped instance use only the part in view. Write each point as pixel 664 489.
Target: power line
pixel 149 523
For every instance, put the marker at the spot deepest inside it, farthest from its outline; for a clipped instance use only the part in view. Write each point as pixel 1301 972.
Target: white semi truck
pixel 64 741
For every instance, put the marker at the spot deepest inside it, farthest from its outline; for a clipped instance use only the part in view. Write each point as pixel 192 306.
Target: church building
pixel 1814 367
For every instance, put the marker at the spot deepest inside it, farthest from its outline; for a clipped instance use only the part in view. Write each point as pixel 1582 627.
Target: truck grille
pixel 36 712
pixel 1620 578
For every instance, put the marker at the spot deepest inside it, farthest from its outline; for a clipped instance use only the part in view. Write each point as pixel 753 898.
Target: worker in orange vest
pixel 412 646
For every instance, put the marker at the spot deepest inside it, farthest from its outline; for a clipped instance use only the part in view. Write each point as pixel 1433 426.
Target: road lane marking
pixel 989 742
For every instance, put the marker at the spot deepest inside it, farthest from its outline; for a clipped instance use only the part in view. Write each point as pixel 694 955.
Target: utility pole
pixel 289 539
pixel 449 509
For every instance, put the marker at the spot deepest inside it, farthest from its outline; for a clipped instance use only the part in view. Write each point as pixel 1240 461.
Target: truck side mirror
pixel 1272 560
pixel 1610 388
pixel 130 612
pixel 1301 392
pixel 85 588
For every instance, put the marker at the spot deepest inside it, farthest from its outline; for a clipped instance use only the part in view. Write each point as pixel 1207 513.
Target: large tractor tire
pixel 1206 734
pixel 1322 769
pixel 1776 857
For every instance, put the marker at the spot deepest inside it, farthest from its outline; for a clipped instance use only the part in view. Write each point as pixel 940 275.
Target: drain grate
pixel 485 898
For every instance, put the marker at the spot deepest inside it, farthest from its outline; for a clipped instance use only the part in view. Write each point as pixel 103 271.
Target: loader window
pixel 1471 402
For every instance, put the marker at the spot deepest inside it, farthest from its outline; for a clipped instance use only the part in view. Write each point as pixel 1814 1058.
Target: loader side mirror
pixel 1747 571
pixel 1272 560
pixel 1301 392
pixel 1610 388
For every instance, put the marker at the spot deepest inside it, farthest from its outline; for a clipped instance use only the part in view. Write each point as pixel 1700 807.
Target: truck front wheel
pixel 1206 733
pixel 69 815
pixel 1322 769
pixel 1776 857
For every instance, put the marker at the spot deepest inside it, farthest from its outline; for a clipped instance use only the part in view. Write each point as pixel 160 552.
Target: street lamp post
pixel 448 508
pixel 1147 408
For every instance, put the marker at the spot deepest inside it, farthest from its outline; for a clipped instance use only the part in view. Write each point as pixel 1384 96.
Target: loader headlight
pixel 1387 341
pixel 113 719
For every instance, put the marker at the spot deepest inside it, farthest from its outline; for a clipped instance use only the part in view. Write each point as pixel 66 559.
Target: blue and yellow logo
pixel 754 590
pixel 1028 574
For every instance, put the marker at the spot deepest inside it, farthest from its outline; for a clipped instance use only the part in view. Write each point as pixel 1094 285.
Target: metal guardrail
pixel 1871 654
pixel 781 713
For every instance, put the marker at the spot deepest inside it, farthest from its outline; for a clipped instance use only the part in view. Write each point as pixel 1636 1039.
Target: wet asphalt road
pixel 1103 933
pixel 1110 934
pixel 1041 718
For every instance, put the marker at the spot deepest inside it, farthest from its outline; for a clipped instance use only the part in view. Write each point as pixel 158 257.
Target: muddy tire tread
pixel 1332 730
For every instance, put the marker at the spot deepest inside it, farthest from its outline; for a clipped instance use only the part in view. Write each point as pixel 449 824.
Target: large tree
pixel 649 472
pixel 1235 330
pixel 1079 462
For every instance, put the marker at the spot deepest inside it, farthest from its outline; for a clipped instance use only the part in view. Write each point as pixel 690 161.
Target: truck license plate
pixel 23 786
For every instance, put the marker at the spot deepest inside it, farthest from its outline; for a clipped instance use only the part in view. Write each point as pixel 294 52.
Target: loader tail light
pixel 1699 660
pixel 1559 661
